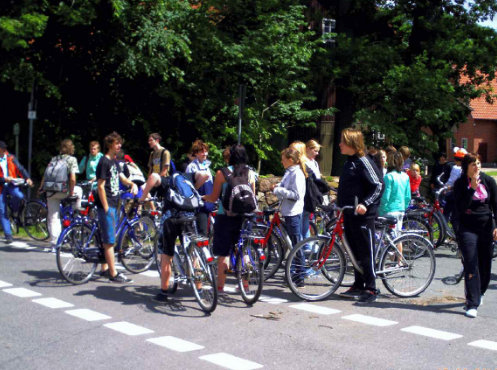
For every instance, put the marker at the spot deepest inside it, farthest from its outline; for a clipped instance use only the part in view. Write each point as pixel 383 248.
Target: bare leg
pixel 165 271
pixel 222 267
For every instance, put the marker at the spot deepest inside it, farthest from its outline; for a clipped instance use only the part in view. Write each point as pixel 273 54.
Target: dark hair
pixel 67 147
pixel 238 155
pixel 111 139
pixel 155 136
pixel 395 161
pixel 467 160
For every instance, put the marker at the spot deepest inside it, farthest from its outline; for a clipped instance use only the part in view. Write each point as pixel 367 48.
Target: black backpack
pixel 313 196
pixel 239 197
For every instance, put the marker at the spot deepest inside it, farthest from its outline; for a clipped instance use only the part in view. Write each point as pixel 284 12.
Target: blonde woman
pixel 361 183
pixel 301 148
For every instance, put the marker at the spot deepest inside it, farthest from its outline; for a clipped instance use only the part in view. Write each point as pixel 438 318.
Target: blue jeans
pixel 107 223
pixel 293 226
pixel 16 197
pixel 305 224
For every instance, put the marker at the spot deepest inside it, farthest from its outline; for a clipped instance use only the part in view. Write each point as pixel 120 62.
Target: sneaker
pixel 120 278
pixel 368 296
pixel 471 313
pixel 352 292
pixel 161 297
pixel 8 239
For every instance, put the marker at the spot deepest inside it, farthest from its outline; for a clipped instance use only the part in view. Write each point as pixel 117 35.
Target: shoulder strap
pixel 226 173
pixel 161 156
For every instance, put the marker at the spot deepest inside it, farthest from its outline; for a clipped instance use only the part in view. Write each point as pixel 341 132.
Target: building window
pixel 464 143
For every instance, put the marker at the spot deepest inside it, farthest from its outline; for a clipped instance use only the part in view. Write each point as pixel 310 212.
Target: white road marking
pixel 22 292
pixel 486 344
pixel 52 303
pixel 432 333
pixel 272 300
pixel 128 328
pixel 175 344
pixel 4 284
pixel 88 315
pixel 369 320
pixel 315 309
pixel 230 362
pixel 22 245
pixel 151 273
pixel 229 289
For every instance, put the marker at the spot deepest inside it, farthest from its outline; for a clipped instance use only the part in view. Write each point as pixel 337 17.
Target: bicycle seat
pixel 386 220
pixel 269 211
pixel 69 200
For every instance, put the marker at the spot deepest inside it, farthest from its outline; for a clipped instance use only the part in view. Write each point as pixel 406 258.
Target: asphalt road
pixel 48 323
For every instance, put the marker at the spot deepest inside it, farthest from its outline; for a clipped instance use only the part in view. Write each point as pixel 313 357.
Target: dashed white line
pixel 315 309
pixel 22 292
pixel 22 245
pixel 230 362
pixel 370 320
pixel 4 284
pixel 272 300
pixel 128 328
pixel 175 344
pixel 53 303
pixel 486 344
pixel 432 333
pixel 88 315
pixel 151 273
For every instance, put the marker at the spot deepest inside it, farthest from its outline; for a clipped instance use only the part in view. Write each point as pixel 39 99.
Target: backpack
pixel 239 197
pixel 135 174
pixel 181 194
pixel 313 196
pixel 57 175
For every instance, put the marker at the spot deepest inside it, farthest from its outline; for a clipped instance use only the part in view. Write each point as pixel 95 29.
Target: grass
pixel 491 173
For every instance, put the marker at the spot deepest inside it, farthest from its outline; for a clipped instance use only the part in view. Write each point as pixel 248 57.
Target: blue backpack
pixel 181 194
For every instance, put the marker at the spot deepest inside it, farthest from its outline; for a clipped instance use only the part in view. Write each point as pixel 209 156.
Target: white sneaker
pixel 471 313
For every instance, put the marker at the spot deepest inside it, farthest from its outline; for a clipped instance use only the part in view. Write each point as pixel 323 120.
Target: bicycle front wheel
pixel 73 254
pixel 404 270
pixel 273 250
pixel 138 245
pixel 313 271
pixel 35 215
pixel 202 279
pixel 249 273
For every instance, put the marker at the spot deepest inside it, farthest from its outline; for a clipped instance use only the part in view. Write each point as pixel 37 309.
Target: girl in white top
pixel 312 148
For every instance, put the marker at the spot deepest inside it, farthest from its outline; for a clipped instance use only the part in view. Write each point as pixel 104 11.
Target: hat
pixel 3 145
pixel 459 153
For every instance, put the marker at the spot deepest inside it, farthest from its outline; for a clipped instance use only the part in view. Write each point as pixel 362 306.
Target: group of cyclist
pixel 374 183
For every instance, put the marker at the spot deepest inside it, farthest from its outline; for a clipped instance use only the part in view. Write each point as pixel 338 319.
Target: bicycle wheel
pixel 307 275
pixel 404 274
pixel 35 215
pixel 137 245
pixel 202 279
pixel 273 250
pixel 419 226
pixel 438 229
pixel 249 273
pixel 73 254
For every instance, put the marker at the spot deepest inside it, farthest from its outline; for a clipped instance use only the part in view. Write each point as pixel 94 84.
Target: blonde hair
pixel 295 156
pixel 405 151
pixel 300 147
pixel 354 138
pixel 415 166
pixel 312 144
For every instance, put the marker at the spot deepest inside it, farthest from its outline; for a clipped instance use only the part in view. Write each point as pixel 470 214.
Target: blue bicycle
pixel 80 249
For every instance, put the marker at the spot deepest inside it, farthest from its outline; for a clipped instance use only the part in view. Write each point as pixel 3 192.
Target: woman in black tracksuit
pixel 475 196
pixel 360 179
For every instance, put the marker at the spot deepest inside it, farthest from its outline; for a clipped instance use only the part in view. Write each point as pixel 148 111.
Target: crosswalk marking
pixel 230 362
pixel 486 344
pixel 315 309
pixel 151 273
pixel 22 245
pixel 432 333
pixel 272 300
pixel 128 328
pixel 369 320
pixel 53 303
pixel 22 292
pixel 4 284
pixel 175 344
pixel 88 315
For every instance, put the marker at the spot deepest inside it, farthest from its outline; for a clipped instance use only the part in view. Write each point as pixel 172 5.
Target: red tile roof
pixel 481 109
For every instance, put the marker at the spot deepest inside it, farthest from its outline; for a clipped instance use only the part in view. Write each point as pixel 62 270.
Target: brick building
pixel 479 132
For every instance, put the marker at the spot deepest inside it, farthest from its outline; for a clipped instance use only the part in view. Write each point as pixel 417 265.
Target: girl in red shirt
pixel 415 178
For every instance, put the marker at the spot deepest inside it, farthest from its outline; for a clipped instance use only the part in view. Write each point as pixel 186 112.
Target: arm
pixel 289 189
pixel 166 160
pixel 373 184
pixel 200 179
pixel 82 164
pixel 407 197
pixel 72 183
pixel 23 171
pixel 462 194
pixel 386 195
pixel 129 183
pixel 102 195
pixel 217 187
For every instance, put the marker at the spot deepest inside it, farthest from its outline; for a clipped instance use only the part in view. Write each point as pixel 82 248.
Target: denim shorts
pixel 107 224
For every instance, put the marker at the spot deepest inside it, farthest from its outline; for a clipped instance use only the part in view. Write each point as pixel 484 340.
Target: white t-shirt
pixel 313 165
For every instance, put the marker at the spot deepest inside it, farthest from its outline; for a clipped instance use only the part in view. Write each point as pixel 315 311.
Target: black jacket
pixel 360 178
pixel 474 213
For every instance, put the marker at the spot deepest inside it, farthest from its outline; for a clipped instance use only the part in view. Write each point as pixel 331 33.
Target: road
pixel 48 323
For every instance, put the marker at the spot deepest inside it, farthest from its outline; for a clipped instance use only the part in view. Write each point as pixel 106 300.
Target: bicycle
pixel 247 258
pixel 193 263
pixel 79 248
pixel 315 273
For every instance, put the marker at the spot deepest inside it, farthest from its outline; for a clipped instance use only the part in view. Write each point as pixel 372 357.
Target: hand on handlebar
pixel 361 209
